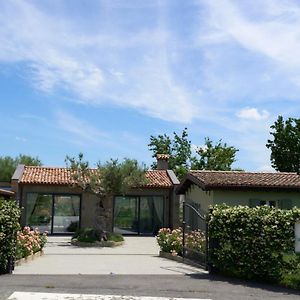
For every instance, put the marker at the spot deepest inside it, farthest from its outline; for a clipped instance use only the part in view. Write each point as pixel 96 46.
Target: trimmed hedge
pixel 9 225
pixel 251 243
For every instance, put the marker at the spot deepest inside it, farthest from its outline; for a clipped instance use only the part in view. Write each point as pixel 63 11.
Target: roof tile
pixel 63 176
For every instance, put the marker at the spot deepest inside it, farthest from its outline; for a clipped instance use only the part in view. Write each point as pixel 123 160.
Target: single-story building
pixel 52 203
pixel 205 188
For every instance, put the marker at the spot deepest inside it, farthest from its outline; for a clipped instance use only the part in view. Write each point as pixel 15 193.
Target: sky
pixel 101 77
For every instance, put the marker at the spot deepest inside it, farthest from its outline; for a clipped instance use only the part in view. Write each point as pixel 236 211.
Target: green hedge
pixel 252 242
pixel 9 225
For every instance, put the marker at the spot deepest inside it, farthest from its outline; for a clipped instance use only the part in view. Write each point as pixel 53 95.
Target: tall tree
pixel 178 147
pixel 219 157
pixel 9 164
pixel 285 145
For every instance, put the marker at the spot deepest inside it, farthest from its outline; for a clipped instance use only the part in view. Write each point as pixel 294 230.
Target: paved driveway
pixel 138 255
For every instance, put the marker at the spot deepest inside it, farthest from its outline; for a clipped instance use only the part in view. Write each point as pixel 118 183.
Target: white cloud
pixel 249 113
pixel 21 139
pixel 95 66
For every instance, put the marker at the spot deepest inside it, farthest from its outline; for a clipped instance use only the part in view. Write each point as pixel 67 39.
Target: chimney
pixel 162 161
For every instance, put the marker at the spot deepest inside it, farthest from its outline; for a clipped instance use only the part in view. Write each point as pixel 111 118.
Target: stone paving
pixel 138 255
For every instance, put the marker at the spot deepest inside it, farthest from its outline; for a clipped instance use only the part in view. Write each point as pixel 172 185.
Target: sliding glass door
pixel 138 215
pixel 53 213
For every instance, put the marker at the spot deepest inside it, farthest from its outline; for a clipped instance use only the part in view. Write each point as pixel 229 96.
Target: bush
pixel 29 242
pixel 251 243
pixel 115 237
pixel 9 225
pixel 91 235
pixel 170 241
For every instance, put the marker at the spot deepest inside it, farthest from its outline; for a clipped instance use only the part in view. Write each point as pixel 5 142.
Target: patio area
pixel 138 255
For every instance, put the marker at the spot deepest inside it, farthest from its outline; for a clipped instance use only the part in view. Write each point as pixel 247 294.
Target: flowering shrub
pixel 251 242
pixel 29 242
pixel 9 216
pixel 171 240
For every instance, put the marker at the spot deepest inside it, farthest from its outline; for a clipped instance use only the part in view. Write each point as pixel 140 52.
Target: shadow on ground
pixel 251 284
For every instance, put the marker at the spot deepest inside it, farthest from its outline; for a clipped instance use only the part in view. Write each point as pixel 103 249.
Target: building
pixel 53 203
pixel 205 188
pixel 6 190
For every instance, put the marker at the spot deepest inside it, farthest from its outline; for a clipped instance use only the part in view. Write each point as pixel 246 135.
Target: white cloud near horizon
pixel 249 113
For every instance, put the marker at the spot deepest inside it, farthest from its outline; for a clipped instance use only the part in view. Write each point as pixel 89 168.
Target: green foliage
pixel 111 178
pixel 9 164
pixel 252 242
pixel 115 237
pixel 170 241
pixel 209 157
pixel 87 235
pixel 9 218
pixel 291 278
pixel 178 147
pixel 285 146
pixel 217 157
pixel 92 235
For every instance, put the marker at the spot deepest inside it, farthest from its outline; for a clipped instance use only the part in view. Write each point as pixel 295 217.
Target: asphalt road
pixel 185 286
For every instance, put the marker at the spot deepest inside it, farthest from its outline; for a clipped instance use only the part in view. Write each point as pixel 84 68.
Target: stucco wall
pixel 203 198
pixel 243 197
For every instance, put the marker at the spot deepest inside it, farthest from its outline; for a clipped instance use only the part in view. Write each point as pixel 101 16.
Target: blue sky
pixel 101 76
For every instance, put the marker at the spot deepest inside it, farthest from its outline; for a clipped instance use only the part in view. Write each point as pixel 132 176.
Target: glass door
pixel 126 211
pixel 39 211
pixel 66 210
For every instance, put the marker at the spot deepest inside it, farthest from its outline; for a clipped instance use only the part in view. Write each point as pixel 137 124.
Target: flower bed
pixel 29 242
pixel 170 241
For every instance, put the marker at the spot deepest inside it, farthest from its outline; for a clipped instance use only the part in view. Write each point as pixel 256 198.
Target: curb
pixel 29 258
pixel 181 260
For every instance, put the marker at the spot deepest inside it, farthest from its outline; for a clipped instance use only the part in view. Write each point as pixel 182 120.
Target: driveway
pixel 138 255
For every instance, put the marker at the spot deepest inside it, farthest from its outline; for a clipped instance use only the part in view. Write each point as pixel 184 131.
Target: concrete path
pixel 138 255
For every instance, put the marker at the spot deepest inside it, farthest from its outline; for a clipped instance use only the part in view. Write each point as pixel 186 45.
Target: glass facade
pixel 53 213
pixel 138 215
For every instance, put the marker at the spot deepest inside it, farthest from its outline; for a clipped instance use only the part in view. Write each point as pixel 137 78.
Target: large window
pixel 53 213
pixel 138 215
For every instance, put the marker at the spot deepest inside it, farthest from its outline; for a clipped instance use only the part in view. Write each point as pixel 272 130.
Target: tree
pixel 108 179
pixel 178 147
pixel 212 157
pixel 9 164
pixel 111 178
pixel 217 157
pixel 285 146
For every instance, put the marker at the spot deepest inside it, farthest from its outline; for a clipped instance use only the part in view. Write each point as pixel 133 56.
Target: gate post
pixel 183 229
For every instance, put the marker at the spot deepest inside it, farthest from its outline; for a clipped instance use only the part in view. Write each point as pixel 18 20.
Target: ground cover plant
pixel 92 235
pixel 9 216
pixel 29 242
pixel 254 243
pixel 170 241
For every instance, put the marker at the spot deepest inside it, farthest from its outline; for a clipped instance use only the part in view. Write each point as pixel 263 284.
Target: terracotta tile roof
pixel 163 156
pixel 63 176
pixel 158 178
pixel 241 180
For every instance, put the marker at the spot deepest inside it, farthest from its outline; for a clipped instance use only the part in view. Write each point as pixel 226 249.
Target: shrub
pixel 115 237
pixel 9 225
pixel 91 235
pixel 251 242
pixel 29 242
pixel 171 240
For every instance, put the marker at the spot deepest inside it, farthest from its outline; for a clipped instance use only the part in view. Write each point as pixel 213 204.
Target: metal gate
pixel 195 235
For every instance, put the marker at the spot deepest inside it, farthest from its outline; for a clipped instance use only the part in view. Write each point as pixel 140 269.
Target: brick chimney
pixel 162 161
